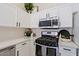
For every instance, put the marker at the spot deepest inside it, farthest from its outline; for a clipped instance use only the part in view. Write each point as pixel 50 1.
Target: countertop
pixel 68 44
pixel 12 42
pixel 9 43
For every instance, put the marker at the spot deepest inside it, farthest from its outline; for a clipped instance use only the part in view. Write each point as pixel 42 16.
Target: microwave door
pixel 45 23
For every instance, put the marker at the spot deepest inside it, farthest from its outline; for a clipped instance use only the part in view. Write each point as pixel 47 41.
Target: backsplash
pixel 10 33
pixel 38 30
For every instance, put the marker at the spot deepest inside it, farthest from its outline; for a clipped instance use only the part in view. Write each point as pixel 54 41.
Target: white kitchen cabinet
pixel 67 51
pixel 34 23
pixel 23 18
pixel 36 17
pixel 43 14
pixel 11 16
pixel 65 16
pixel 52 12
pixel 22 49
pixel 32 48
pixel 25 48
pixel 8 15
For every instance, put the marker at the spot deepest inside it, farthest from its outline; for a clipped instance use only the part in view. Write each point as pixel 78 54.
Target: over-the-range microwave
pixel 49 23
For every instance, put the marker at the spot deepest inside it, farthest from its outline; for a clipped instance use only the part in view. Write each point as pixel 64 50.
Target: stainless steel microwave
pixel 51 23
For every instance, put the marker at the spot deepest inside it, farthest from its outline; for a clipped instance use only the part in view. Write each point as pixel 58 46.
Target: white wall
pixel 10 33
pixel 38 30
pixel 42 6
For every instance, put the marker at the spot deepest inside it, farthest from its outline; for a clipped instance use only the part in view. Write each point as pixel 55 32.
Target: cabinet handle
pixel 17 53
pixel 67 49
pixel 24 43
pixel 17 24
pixel 59 23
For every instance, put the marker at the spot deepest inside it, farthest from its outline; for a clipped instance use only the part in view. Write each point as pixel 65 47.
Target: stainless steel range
pixel 47 44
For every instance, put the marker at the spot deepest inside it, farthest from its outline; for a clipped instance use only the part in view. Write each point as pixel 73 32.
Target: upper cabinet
pixel 34 20
pixel 36 17
pixel 16 17
pixel 42 14
pixel 23 18
pixel 65 16
pixel 12 16
pixel 52 12
pixel 8 15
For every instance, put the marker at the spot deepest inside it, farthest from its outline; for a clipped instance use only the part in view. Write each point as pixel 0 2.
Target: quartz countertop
pixel 9 43
pixel 69 44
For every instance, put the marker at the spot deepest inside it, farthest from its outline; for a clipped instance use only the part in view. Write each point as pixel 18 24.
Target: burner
pixel 48 41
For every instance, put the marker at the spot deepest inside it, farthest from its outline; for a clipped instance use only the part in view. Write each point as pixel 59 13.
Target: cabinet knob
pixel 19 24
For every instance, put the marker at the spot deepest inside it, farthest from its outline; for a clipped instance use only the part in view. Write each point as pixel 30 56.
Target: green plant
pixel 65 34
pixel 29 32
pixel 29 7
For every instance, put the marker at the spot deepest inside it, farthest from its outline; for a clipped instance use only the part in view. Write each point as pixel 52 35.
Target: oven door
pixel 38 51
pixel 42 50
pixel 52 51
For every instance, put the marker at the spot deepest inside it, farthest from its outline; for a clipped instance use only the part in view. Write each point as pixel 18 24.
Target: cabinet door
pixel 8 15
pixel 52 12
pixel 23 18
pixel 67 51
pixel 42 14
pixel 65 16
pixel 32 48
pixel 34 23
pixel 22 49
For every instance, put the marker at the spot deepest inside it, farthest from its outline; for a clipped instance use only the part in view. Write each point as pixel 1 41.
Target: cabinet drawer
pixel 67 51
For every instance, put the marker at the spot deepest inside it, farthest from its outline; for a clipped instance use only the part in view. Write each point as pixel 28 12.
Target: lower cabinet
pixel 68 51
pixel 22 49
pixel 25 49
pixel 32 48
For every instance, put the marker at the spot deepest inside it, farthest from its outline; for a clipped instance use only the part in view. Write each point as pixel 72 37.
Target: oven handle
pixel 46 46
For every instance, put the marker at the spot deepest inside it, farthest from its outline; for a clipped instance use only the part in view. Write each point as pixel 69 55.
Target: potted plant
pixel 28 32
pixel 65 36
pixel 29 7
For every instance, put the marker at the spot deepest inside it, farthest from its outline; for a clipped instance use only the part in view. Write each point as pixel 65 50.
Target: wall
pixel 38 31
pixel 10 33
pixel 42 6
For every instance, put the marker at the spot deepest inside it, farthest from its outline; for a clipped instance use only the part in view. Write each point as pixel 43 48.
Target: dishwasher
pixel 9 51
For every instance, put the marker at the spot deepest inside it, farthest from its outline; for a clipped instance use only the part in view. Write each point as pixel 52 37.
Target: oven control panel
pixel 50 33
